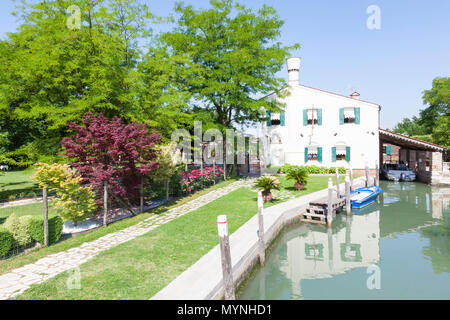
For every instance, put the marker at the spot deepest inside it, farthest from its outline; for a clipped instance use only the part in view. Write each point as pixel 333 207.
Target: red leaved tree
pixel 110 150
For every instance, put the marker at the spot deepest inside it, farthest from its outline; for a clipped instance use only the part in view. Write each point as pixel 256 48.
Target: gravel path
pixel 20 279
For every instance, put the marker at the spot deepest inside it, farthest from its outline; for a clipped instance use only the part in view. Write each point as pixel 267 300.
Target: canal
pixel 397 248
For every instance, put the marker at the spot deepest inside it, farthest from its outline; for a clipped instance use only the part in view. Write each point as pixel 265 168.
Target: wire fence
pixel 33 222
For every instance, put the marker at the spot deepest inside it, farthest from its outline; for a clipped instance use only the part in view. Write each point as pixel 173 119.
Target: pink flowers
pixel 194 180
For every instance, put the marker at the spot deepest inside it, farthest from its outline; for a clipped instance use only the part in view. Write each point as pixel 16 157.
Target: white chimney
pixel 293 66
pixel 355 95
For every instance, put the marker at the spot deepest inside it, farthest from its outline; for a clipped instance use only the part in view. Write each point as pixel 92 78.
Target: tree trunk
pixel 167 189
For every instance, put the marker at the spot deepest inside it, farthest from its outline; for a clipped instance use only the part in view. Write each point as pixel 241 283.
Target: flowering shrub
pixel 193 180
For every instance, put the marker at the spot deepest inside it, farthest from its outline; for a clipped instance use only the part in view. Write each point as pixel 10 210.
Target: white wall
pixel 364 145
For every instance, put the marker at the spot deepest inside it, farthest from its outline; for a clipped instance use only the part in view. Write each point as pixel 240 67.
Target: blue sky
pixel 390 66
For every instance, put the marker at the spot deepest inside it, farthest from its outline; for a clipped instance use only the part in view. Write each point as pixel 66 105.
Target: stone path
pixel 18 280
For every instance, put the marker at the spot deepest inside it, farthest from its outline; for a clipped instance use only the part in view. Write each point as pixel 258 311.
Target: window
pixel 312 116
pixel 275 118
pixel 349 115
pixel 313 153
pixel 340 152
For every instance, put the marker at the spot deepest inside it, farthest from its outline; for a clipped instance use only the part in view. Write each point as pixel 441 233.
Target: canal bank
pixel 397 248
pixel 203 280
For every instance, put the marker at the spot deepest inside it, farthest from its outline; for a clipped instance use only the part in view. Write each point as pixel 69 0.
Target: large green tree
pixel 52 73
pixel 434 121
pixel 230 55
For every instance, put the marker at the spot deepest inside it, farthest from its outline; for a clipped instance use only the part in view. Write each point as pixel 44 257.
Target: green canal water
pixel 397 248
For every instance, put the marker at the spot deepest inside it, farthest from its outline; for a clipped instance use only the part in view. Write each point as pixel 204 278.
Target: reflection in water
pixel 405 232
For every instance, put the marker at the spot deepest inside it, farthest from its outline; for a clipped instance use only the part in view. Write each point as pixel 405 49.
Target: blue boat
pixel 364 196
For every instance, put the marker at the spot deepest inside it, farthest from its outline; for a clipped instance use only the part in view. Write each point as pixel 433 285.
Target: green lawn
pixel 17 184
pixel 65 244
pixel 141 267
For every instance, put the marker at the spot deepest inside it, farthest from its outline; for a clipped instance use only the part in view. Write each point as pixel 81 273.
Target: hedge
pixel 311 169
pixel 18 226
pixel 6 241
pixel 36 229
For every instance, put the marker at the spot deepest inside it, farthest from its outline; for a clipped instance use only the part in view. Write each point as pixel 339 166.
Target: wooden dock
pixel 317 211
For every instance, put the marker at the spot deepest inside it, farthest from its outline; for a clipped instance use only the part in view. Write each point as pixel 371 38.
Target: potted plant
pixel 299 175
pixel 267 183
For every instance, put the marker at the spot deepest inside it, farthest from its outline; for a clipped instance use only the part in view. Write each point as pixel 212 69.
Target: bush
pixel 36 229
pixel 267 183
pixel 19 229
pixel 311 169
pixel 6 241
pixel 299 175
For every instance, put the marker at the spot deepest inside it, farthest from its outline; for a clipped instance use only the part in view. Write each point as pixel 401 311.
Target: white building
pixel 321 128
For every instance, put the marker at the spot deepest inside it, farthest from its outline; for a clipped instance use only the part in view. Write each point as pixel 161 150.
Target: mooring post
pixel 227 270
pixel 330 202
pixel 141 196
pixel 105 203
pixel 348 207
pixel 377 175
pixel 367 175
pixel 261 246
pixel 338 193
pixel 351 178
pixel 45 200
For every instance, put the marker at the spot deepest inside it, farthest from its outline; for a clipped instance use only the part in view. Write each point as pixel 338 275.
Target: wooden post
pixel 227 270
pixel 351 178
pixel 338 193
pixel 224 170
pixel 141 194
pixel 377 175
pixel 167 188
pixel 261 246
pixel 214 170
pixel 45 200
pixel 367 175
pixel 330 202
pixel 201 172
pixel 105 203
pixel 348 207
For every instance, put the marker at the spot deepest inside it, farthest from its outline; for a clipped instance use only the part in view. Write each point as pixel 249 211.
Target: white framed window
pixel 349 115
pixel 312 116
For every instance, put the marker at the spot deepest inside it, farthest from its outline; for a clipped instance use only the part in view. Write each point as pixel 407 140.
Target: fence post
pixel 141 196
pixel 377 175
pixel 201 172
pixel 261 246
pixel 214 170
pixel 338 193
pixel 167 188
pixel 330 202
pixel 367 175
pixel 348 206
pixel 227 270
pixel 105 203
pixel 45 200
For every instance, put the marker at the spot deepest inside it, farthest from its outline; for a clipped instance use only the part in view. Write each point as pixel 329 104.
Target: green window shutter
pixel 319 154
pixel 333 154
pixel 341 116
pixel 347 153
pixel 305 117
pixel 306 155
pixel 269 122
pixel 357 115
pixel 319 117
pixel 282 118
pixel 388 150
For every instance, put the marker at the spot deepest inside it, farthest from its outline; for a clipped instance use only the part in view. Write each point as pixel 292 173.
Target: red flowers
pixel 193 180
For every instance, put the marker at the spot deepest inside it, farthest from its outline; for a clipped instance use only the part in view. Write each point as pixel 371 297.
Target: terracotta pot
pixel 299 186
pixel 267 197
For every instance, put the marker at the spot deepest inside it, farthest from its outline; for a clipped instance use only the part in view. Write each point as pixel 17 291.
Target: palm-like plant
pixel 267 183
pixel 299 175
